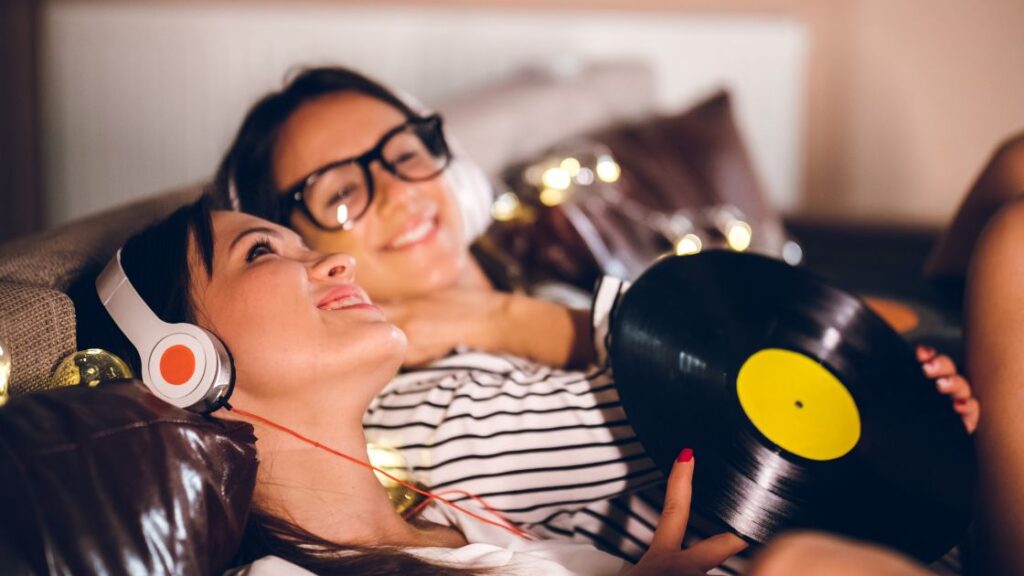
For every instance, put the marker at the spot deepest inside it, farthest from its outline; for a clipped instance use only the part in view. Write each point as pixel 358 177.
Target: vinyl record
pixel 804 409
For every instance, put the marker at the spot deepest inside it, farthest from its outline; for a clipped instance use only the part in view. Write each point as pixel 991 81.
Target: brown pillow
pixel 110 480
pixel 691 160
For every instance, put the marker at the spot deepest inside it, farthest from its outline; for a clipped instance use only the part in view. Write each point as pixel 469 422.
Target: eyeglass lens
pixel 342 194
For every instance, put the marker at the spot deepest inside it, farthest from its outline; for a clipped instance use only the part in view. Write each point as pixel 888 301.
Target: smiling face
pixel 286 311
pixel 410 242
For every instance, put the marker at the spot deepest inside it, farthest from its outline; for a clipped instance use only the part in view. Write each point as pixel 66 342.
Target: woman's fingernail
pixel 685 456
pixel 930 366
pixel 943 383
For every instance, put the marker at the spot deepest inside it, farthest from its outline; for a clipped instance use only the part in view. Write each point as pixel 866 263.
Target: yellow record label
pixel 798 404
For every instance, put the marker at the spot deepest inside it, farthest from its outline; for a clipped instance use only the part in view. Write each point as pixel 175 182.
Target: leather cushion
pixel 686 161
pixel 110 480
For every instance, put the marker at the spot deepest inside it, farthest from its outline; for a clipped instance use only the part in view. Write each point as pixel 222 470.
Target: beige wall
pixel 906 97
pixel 935 84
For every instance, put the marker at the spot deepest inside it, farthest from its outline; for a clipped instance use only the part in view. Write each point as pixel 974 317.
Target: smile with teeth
pixel 417 233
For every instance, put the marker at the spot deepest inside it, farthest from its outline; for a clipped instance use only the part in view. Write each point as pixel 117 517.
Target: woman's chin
pixel 416 280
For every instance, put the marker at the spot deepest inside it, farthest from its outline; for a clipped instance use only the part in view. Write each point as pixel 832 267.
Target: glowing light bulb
pixel 792 253
pixel 688 244
pixel 556 178
pixel 608 170
pixel 505 207
pixel 5 374
pixel 90 367
pixel 342 214
pixel 571 166
pixel 738 234
pixel 552 196
pixel 585 177
pixel 392 462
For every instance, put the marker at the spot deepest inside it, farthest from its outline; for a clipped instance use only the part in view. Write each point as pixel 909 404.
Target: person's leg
pixel 994 335
pixel 1001 181
pixel 813 554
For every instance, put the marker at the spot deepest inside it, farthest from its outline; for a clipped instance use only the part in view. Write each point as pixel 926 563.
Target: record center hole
pixel 799 404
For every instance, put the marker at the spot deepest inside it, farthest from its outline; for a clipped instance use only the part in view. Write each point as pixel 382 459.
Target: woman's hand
pixel 493 321
pixel 942 369
pixel 436 324
pixel 665 556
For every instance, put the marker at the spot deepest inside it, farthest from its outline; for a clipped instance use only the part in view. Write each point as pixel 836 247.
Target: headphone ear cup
pixel 189 368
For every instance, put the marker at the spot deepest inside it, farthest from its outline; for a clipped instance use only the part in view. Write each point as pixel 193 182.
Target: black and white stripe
pixel 552 450
pixel 528 439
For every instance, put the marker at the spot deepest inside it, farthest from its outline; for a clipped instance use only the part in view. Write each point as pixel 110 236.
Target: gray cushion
pixel 55 258
pixel 37 326
pixel 37 319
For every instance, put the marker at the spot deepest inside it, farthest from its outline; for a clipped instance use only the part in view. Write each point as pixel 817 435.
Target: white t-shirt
pixel 493 547
pixel 489 547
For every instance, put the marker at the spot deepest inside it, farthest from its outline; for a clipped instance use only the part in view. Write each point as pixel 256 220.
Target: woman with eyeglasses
pixel 353 168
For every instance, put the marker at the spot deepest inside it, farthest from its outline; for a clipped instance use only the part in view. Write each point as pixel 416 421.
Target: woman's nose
pixel 335 266
pixel 391 190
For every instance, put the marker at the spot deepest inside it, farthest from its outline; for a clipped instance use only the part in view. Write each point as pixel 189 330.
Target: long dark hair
pixel 246 171
pixel 158 262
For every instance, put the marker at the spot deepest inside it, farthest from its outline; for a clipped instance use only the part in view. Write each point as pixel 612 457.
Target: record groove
pixel 680 337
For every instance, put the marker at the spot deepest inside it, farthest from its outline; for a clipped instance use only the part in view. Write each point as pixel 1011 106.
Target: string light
pixel 505 207
pixel 5 373
pixel 556 178
pixel 739 235
pixel 689 244
pixel 792 253
pixel 90 367
pixel 608 170
pixel 392 461
pixel 585 176
pixel 552 197
pixel 571 166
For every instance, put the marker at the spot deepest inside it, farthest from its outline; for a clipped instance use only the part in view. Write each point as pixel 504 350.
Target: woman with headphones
pixel 228 314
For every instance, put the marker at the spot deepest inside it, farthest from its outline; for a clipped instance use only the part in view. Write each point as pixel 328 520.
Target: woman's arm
pixel 493 321
pixel 994 332
pixel 1000 182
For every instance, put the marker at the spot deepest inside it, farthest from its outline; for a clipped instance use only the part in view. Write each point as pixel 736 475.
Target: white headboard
pixel 144 97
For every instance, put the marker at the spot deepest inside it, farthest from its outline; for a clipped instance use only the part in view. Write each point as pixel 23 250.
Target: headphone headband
pixel 181 364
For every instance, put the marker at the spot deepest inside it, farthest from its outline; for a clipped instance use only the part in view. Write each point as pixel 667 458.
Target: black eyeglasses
pixel 334 196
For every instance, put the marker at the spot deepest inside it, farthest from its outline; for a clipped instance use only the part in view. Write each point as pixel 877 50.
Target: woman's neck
pixel 329 495
pixel 473 276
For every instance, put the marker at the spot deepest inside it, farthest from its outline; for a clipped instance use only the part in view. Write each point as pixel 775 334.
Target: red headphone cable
pixel 505 523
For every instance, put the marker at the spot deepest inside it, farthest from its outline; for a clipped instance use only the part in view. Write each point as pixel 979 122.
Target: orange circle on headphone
pixel 177 364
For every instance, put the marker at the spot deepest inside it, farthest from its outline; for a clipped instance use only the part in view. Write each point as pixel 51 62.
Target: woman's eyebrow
pixel 253 230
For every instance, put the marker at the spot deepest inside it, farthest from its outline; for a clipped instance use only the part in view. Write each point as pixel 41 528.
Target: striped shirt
pixel 552 450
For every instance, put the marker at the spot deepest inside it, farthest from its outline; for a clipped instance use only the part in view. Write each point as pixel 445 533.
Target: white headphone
pixel 471 186
pixel 182 364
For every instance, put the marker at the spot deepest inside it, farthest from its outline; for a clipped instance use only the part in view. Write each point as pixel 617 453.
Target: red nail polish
pixel 685 456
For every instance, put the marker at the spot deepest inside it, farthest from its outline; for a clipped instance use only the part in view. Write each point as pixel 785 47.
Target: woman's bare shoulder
pixel 1001 246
